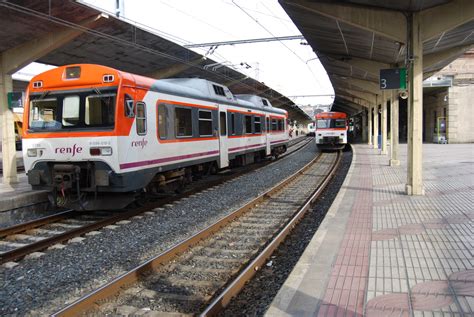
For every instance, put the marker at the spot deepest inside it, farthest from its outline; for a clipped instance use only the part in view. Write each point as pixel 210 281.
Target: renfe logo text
pixel 141 144
pixel 68 150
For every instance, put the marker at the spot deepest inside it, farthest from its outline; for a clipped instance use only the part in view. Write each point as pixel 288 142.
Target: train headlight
pixel 34 152
pixel 104 151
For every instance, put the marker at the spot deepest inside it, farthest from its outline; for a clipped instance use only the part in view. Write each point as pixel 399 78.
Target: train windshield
pixel 83 110
pixel 330 123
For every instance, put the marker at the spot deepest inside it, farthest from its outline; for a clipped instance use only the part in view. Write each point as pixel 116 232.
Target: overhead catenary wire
pixel 69 24
pixel 268 31
pixel 72 25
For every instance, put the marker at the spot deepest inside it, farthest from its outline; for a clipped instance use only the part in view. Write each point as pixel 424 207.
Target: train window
pixel 71 110
pixel 100 110
pixel 183 122
pixel 141 118
pixel 340 123
pixel 205 123
pixel 323 123
pixel 232 123
pixel 218 90
pixel 223 123
pixel 280 125
pixel 268 124
pixel 274 125
pixel 257 124
pixel 162 121
pixel 248 125
pixel 43 114
pixel 128 106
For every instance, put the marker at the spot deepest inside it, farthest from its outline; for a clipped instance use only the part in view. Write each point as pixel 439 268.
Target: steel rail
pixel 20 252
pixel 222 300
pixel 36 223
pixel 111 288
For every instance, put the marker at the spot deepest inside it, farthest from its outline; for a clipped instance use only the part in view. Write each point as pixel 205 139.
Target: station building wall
pixel 456 103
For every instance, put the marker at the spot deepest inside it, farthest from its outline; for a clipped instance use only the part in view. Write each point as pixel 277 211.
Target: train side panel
pixel 93 129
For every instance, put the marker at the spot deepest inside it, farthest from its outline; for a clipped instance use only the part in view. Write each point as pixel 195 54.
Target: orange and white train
pixel 94 132
pixel 331 130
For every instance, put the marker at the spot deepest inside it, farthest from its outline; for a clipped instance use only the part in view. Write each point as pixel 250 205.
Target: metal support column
pixel 376 124
pixel 384 122
pixel 414 184
pixel 394 161
pixel 364 126
pixel 369 126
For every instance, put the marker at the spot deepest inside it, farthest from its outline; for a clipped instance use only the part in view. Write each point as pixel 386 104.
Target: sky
pixel 290 67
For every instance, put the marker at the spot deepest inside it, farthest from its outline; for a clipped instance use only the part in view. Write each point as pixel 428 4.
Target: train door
pixel 268 149
pixel 223 142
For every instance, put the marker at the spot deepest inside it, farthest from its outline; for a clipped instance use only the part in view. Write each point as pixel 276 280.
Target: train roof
pixel 255 99
pixel 210 91
pixel 198 88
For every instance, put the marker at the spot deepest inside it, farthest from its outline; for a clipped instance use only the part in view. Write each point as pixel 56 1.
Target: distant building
pixel 448 103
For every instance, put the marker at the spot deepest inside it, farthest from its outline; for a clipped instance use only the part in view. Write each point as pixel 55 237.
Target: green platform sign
pixel 394 78
pixel 15 100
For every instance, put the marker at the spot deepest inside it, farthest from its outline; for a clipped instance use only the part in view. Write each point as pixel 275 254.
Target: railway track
pixel 203 273
pixel 36 235
pixel 23 239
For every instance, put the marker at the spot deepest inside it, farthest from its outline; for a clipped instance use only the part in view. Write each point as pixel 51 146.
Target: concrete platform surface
pixel 13 196
pixel 380 252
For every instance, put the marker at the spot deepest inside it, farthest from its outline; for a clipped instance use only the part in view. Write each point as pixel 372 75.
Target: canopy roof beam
pixel 387 23
pixel 440 19
pixel 18 57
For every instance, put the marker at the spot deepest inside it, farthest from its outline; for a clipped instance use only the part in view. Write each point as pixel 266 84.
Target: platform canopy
pixel 99 38
pixel 354 39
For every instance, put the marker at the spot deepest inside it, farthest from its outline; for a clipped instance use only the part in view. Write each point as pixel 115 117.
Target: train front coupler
pixel 66 181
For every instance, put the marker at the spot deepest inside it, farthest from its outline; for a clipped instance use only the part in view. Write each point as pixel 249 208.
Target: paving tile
pixel 396 245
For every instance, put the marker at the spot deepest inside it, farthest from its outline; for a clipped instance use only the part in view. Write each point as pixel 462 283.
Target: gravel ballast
pixel 258 294
pixel 44 285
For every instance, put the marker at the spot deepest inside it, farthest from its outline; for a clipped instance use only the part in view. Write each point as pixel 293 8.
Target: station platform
pixel 20 194
pixel 379 252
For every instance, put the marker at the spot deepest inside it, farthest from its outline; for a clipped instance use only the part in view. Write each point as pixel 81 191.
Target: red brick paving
pixel 347 288
pixel 388 305
pixel 345 294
